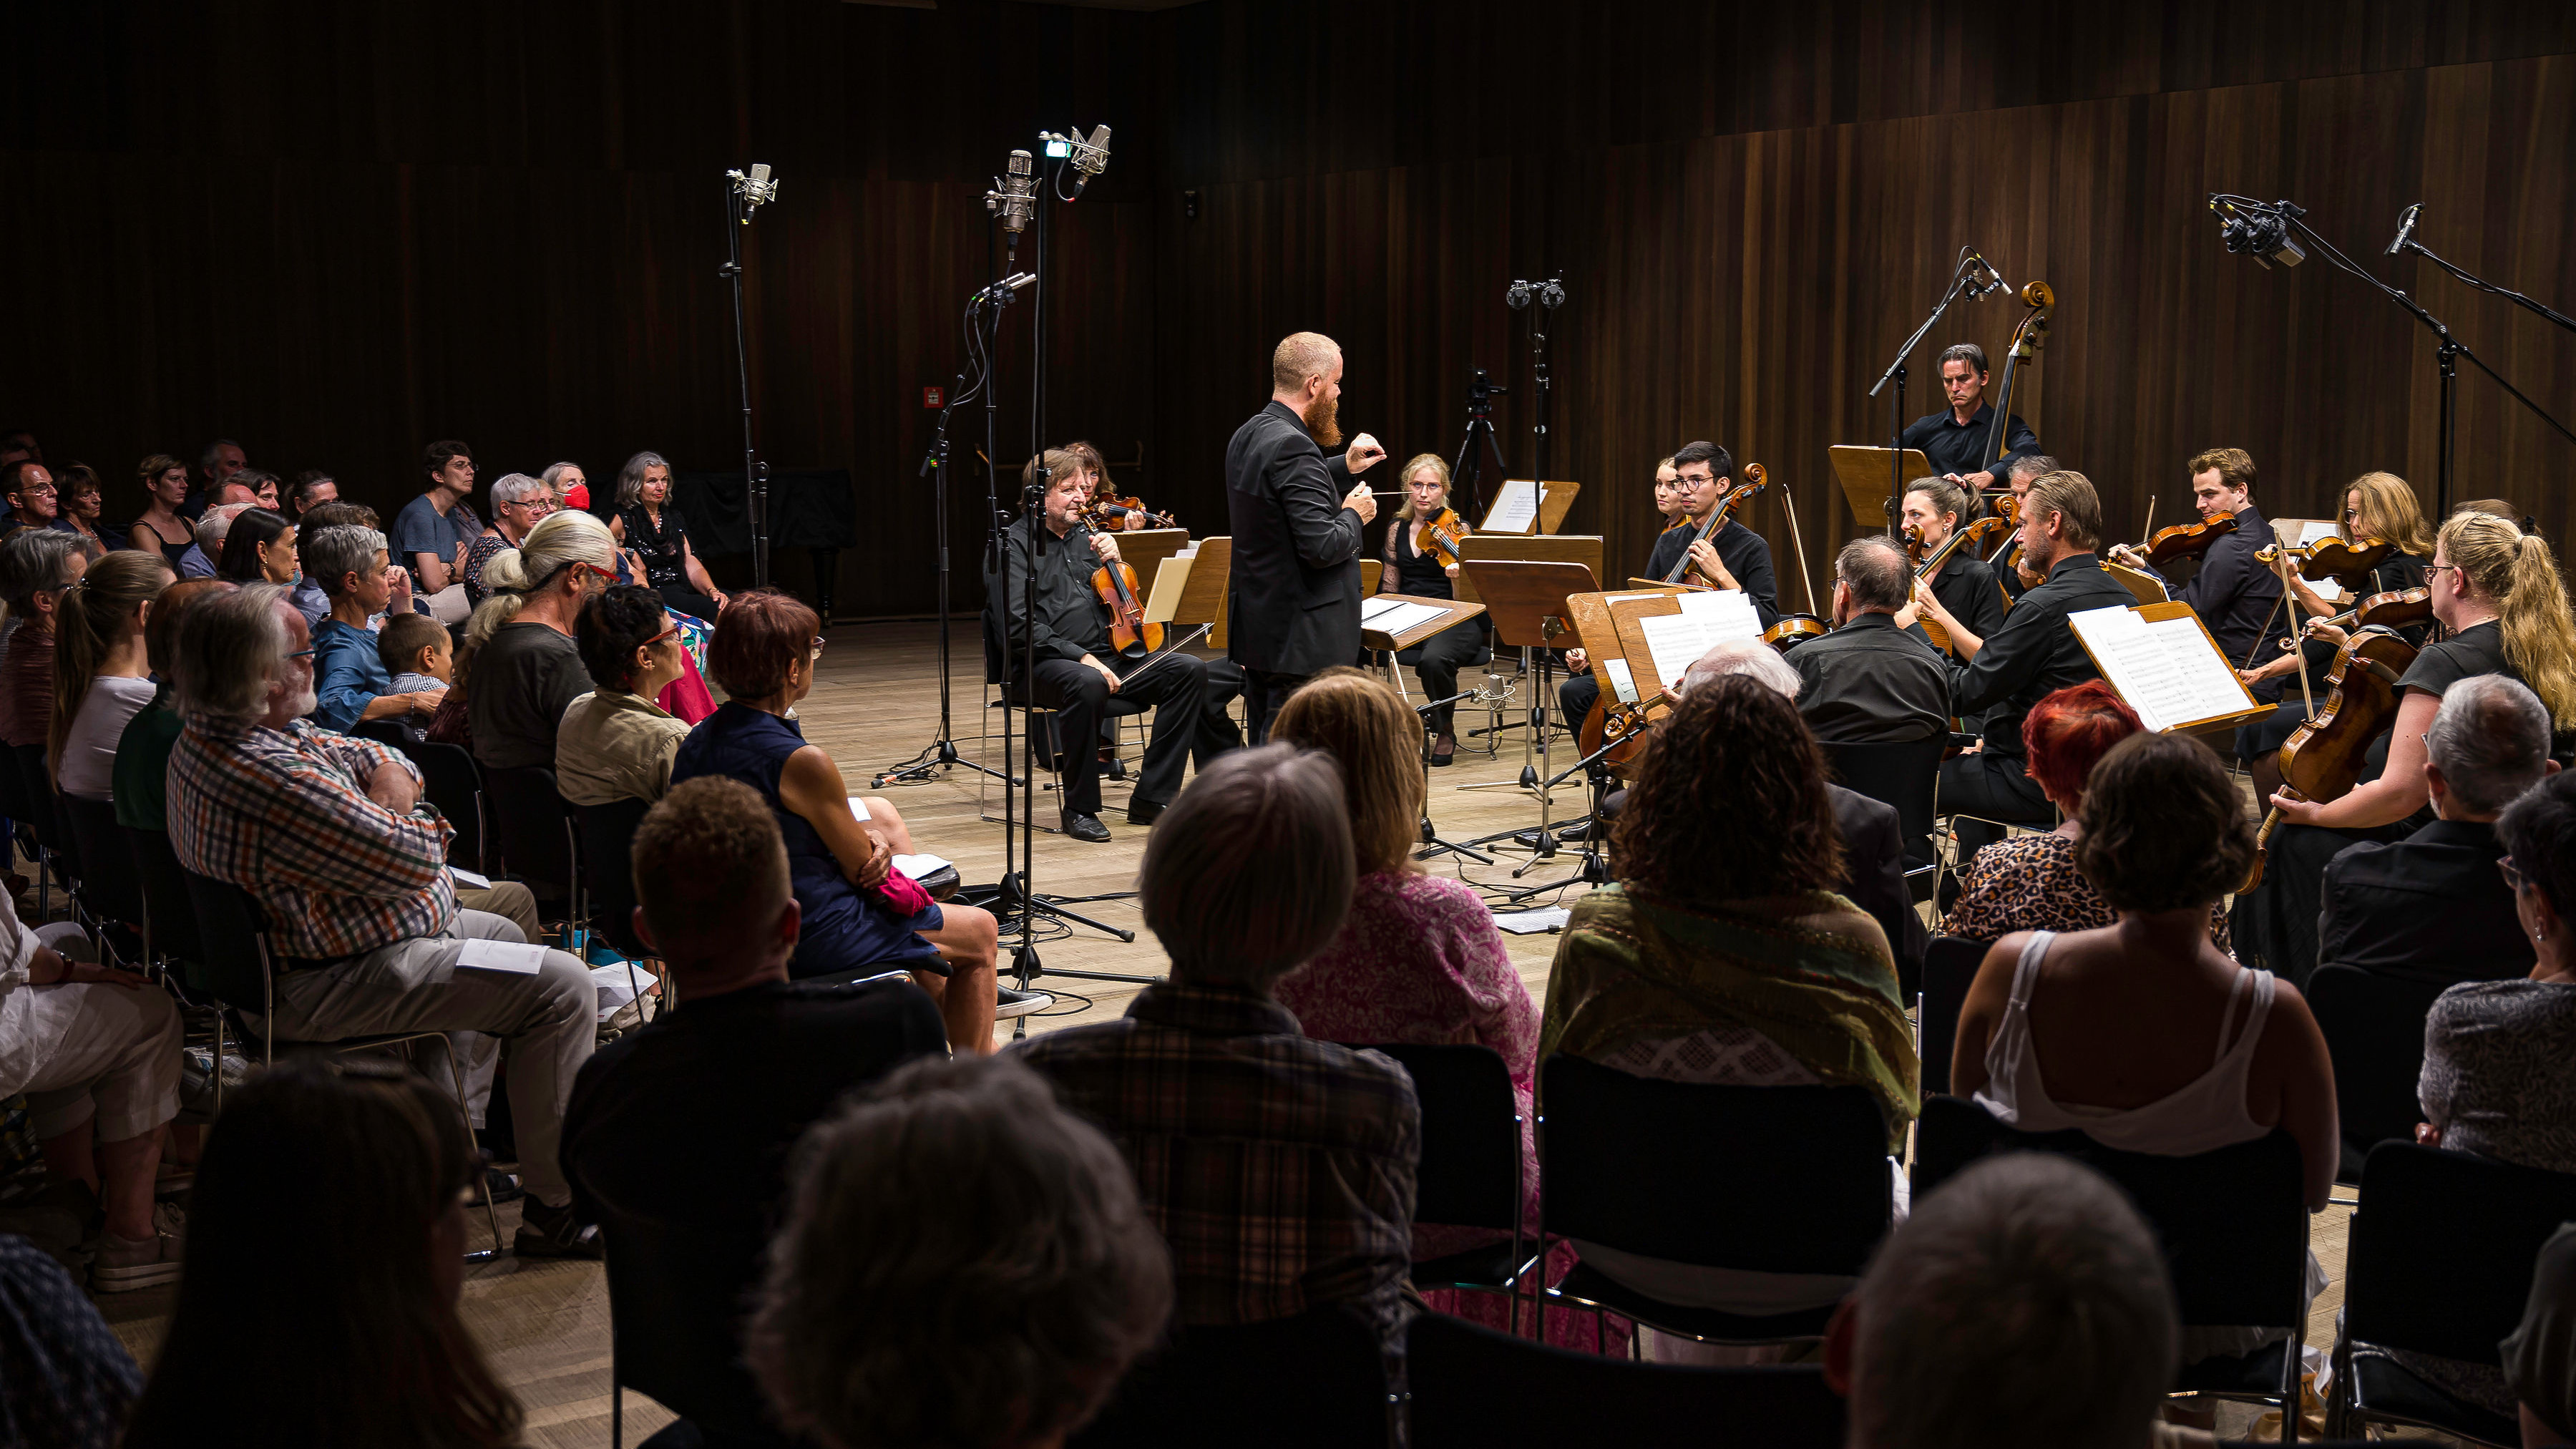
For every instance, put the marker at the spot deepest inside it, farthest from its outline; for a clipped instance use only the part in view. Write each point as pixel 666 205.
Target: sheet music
pixel 1394 616
pixel 2317 531
pixel 2168 670
pixel 1515 508
pixel 1169 580
pixel 1623 685
pixel 1676 641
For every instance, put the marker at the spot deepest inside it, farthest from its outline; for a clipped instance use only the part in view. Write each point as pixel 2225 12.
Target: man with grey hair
pixel 217 525
pixel 1874 854
pixel 1869 681
pixel 2022 1305
pixel 219 461
pixel 330 836
pixel 1279 1168
pixel 2432 907
pixel 2018 474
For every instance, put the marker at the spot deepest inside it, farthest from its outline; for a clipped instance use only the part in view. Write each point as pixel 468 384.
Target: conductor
pixel 1293 596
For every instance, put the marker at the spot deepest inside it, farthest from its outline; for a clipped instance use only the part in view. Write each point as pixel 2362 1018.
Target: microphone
pixel 2405 229
pixel 1011 199
pixel 754 189
pixel 1986 279
pixel 2258 230
pixel 1091 157
pixel 1004 290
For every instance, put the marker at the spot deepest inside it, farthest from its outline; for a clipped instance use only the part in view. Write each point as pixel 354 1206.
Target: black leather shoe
pixel 1086 827
pixel 1444 756
pixel 1143 812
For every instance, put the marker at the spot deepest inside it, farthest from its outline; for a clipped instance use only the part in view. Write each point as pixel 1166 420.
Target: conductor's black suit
pixel 1293 596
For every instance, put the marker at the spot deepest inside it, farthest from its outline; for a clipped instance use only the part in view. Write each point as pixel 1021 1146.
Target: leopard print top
pixel 2030 883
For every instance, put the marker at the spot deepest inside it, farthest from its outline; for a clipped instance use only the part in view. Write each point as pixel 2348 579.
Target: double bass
pixel 2028 337
pixel 2322 759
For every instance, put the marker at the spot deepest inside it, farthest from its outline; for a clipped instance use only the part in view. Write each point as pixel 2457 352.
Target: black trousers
pixel 1436 662
pixel 1991 786
pixel 1179 688
pixel 1575 696
pixel 1263 692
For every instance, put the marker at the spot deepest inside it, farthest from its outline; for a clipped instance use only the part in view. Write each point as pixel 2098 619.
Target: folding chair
pixel 55 857
pixel 2440 1263
pixel 534 829
pixel 2374 1025
pixel 1949 968
pixel 454 783
pixel 1291 1383
pixel 1470 1172
pixel 1906 778
pixel 606 859
pixel 1766 1179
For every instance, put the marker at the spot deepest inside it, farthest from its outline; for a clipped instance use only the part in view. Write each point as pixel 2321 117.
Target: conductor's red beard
pixel 1321 422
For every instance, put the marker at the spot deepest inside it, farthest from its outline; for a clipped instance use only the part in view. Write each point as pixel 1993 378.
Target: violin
pixel 2183 540
pixel 1794 630
pixel 2382 611
pixel 1754 482
pixel 1108 515
pixel 2322 759
pixel 2348 564
pixel 1115 583
pixel 1967 535
pixel 1438 536
pixel 1622 726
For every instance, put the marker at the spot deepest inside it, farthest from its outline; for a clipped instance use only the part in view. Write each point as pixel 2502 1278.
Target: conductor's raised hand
pixel 1362 455
pixel 1360 500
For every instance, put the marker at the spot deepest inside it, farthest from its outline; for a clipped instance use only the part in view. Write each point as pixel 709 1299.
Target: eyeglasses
pixel 2430 569
pixel 817 651
pixel 300 654
pixel 1694 480
pixel 2513 877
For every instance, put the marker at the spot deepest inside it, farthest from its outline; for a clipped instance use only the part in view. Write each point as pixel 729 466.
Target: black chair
pixel 1473 1388
pixel 383 732
pixel 1470 1172
pixel 44 817
pixel 169 918
pixel 1291 1383
pixel 242 974
pixel 533 827
pixel 1905 777
pixel 454 783
pixel 2233 1224
pixel 110 882
pixel 674 1332
pixel 1041 719
pixel 607 835
pixel 1767 1179
pixel 1949 968
pixel 2374 1025
pixel 2440 1263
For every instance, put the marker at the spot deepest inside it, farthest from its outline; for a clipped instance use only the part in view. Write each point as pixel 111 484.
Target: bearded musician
pixel 1077 669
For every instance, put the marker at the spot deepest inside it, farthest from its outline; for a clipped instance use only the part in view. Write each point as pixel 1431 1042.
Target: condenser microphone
pixel 1091 157
pixel 754 189
pixel 1010 197
pixel 2405 229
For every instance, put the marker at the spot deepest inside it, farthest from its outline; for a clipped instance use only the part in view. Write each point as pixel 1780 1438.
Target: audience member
pixel 647 522
pixel 2433 907
pixel 2540 1357
pixel 351 682
pixel 37 567
pixel 962 1337
pixel 2032 882
pixel 99 670
pixel 519 503
pixel 434 530
pixel 320 1299
pixel 1279 1169
pixel 142 767
pixel 526 670
pixel 616 743
pixel 35 501
pixel 326 833
pixel 217 524
pixel 165 493
pixel 263 486
pixel 744 1062
pixel 71 1382
pixel 312 488
pixel 416 651
pixel 97 1053
pixel 84 498
pixel 2149 1038
pixel 2023 1305
pixel 859 912
pixel 314 604
pixel 1870 682
pixel 216 464
pixel 259 547
pixel 1722 955
pixel 1873 838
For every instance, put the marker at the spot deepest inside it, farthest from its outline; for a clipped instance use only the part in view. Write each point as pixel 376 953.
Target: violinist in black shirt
pixel 2238 598
pixel 1932 511
pixel 1411 569
pixel 1956 440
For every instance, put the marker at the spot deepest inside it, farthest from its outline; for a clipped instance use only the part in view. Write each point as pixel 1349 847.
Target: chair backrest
pixel 1291 1383
pixel 1770 1179
pixel 1473 1388
pixel 108 876
pixel 528 818
pixel 607 870
pixel 1949 968
pixel 232 943
pixel 15 802
pixel 1901 776
pixel 38 782
pixel 2374 1026
pixel 2233 1223
pixel 2442 1248
pixel 454 783
pixel 674 1322
pixel 166 902
pixel 1470 1174
pixel 382 731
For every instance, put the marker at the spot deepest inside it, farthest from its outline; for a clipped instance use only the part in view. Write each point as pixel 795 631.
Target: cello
pixel 2322 759
pixel 1754 482
pixel 1622 726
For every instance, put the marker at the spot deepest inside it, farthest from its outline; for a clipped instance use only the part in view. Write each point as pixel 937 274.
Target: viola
pixel 1438 536
pixel 1115 583
pixel 1754 482
pixel 1622 726
pixel 2183 540
pixel 1794 630
pixel 2322 759
pixel 1969 536
pixel 2385 610
pixel 1112 514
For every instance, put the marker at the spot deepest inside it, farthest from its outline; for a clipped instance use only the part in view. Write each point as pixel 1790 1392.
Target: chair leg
pixel 465 1121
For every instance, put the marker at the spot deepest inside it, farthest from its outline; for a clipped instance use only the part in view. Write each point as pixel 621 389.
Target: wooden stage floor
pixel 545 1325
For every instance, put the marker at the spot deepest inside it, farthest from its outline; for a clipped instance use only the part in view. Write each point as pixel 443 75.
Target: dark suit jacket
pixel 1874 869
pixel 1293 596
pixel 2431 907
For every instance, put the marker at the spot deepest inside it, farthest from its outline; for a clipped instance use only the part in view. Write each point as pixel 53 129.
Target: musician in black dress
pixel 1956 440
pixel 647 524
pixel 1293 591
pixel 1410 570
pixel 1933 509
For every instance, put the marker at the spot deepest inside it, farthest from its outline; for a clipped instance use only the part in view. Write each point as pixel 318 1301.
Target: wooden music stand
pixel 1530 602
pixel 1573 548
pixel 2147 588
pixel 1196 589
pixel 1452 611
pixel 1623 615
pixel 1555 499
pixel 1144 549
pixel 1592 624
pixel 1864 473
pixel 1371 570
pixel 2209 727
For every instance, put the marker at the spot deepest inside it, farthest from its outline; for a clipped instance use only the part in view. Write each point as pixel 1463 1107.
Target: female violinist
pixel 2497 592
pixel 1931 513
pixel 1422 560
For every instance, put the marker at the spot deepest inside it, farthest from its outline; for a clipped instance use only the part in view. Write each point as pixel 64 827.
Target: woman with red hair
pixel 2029 882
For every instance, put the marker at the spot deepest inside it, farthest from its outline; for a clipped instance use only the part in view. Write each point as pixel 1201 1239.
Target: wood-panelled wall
pixel 336 232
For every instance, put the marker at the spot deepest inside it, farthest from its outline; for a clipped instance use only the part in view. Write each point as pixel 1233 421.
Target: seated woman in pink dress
pixel 1419 960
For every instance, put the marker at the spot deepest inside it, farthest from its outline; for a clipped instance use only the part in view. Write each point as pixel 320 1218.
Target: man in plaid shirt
pixel 329 835
pixel 1280 1169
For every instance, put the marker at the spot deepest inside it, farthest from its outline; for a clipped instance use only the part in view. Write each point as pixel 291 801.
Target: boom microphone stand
pixel 743 196
pixel 1971 276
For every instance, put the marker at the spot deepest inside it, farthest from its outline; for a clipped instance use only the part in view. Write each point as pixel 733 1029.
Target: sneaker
pixel 122 1265
pixel 553 1232
pixel 1008 1003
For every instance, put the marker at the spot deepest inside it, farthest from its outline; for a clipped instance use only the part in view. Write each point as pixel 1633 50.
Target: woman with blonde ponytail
pixel 101 677
pixel 526 668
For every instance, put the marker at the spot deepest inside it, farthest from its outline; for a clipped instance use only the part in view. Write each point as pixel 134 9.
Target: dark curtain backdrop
pixel 336 232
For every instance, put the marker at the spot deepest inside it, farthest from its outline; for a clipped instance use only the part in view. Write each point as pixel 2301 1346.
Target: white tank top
pixel 2205 1114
